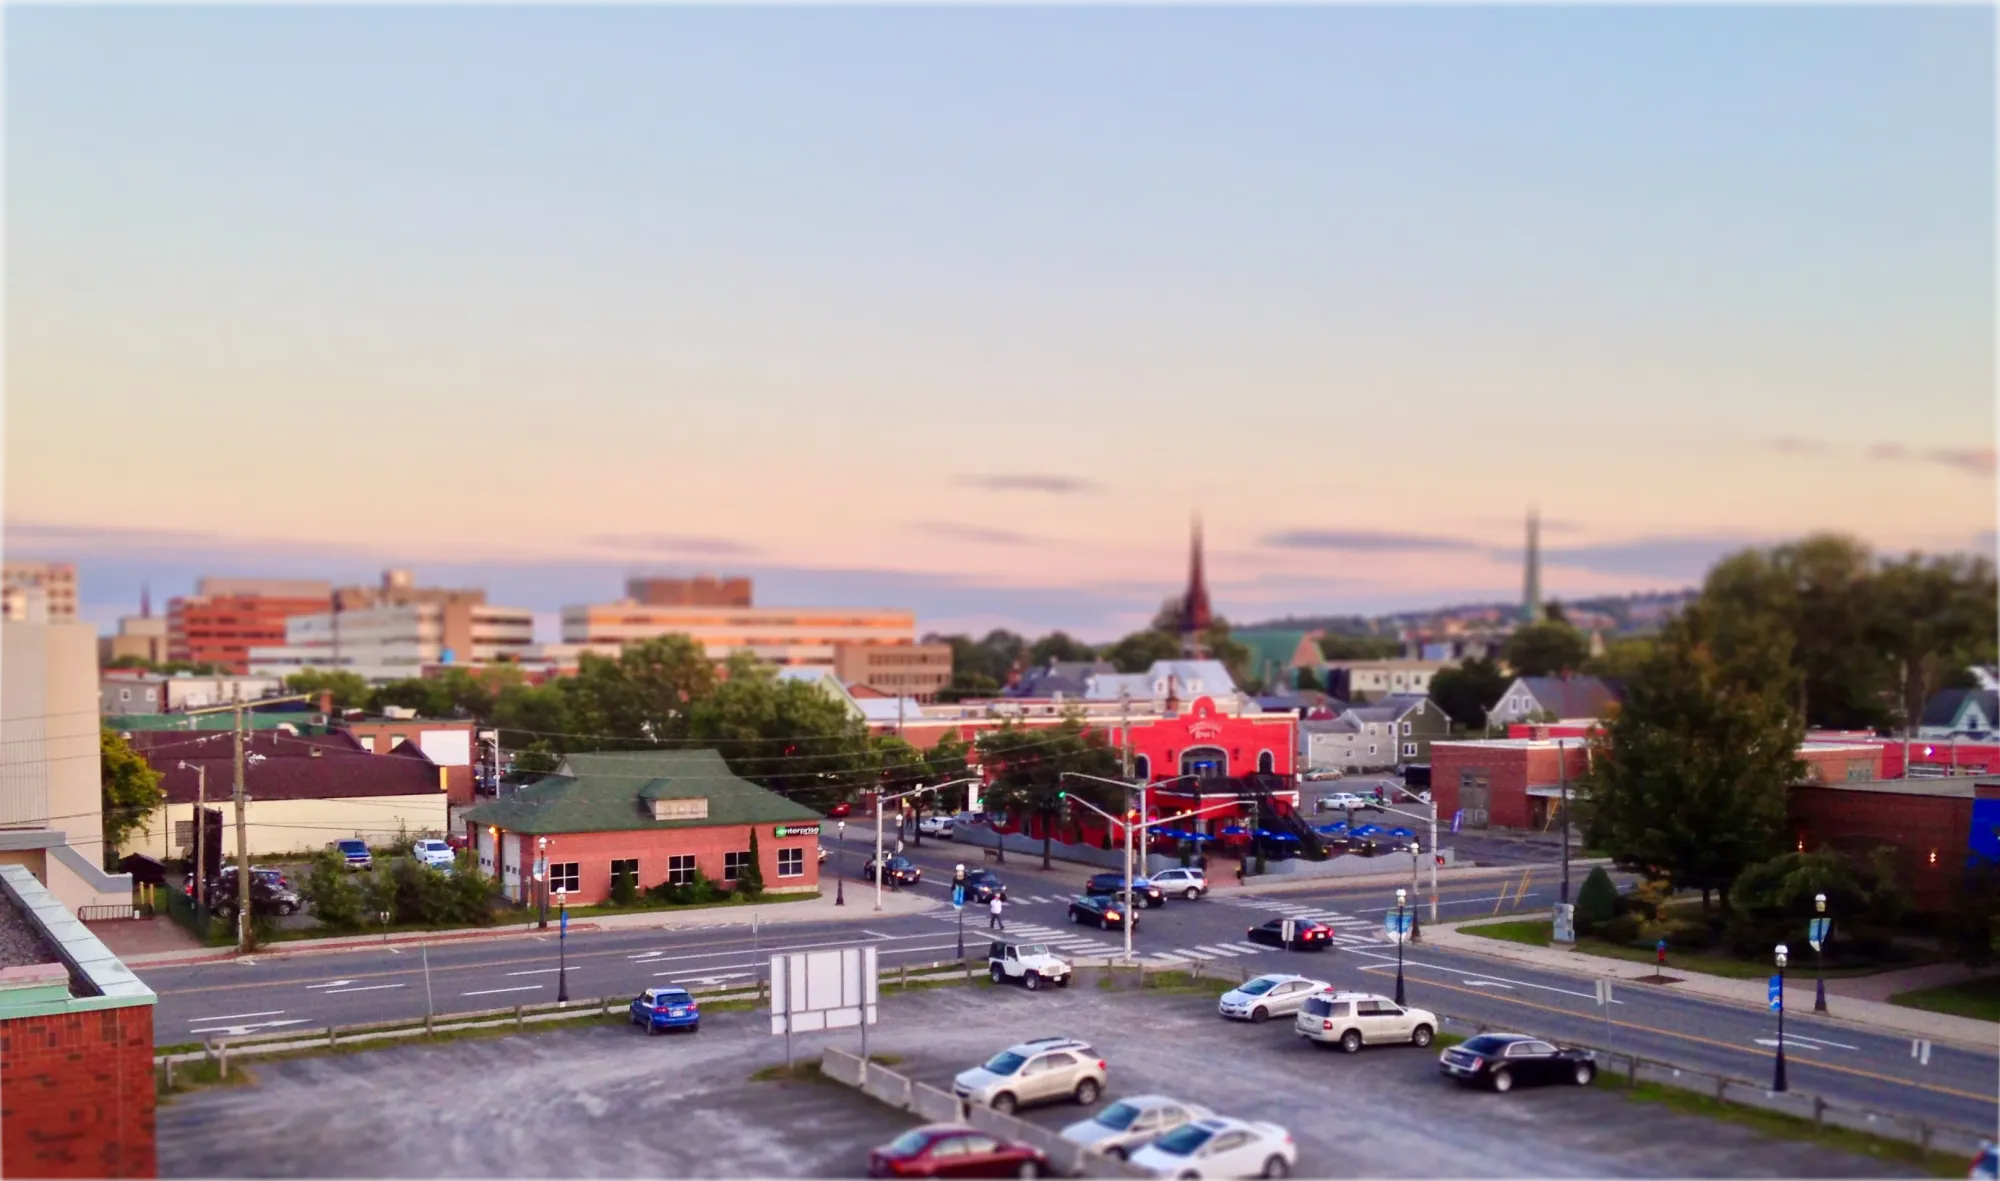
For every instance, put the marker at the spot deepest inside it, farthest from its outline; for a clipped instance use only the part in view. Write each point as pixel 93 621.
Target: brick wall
pixel 1929 833
pixel 1509 771
pixel 593 853
pixel 76 1094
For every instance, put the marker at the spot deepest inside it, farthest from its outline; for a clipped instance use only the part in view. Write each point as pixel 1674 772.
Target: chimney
pixel 326 703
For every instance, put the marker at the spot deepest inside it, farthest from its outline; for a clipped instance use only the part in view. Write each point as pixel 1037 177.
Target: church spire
pixel 1531 596
pixel 145 601
pixel 1195 613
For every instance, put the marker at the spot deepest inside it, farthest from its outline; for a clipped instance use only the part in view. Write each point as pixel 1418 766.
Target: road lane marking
pixel 238 1016
pixel 1223 951
pixel 540 971
pixel 1487 984
pixel 1809 1043
pixel 1460 972
pixel 245 1030
pixel 491 991
pixel 331 984
pixel 363 988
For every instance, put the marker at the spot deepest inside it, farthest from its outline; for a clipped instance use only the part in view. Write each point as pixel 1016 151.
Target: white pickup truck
pixel 1030 963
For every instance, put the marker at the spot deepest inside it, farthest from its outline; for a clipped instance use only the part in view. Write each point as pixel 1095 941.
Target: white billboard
pixel 447 748
pixel 818 990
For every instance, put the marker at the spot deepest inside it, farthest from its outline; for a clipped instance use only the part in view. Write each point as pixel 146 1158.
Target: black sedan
pixel 982 884
pixel 1102 911
pixel 1500 1060
pixel 1114 883
pixel 896 871
pixel 1307 935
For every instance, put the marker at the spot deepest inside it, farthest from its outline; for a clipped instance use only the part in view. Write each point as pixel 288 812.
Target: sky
pixel 972 310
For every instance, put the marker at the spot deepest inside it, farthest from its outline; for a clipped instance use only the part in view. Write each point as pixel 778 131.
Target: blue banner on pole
pixel 562 927
pixel 958 897
pixel 1396 925
pixel 1457 819
pixel 1816 932
pixel 1777 993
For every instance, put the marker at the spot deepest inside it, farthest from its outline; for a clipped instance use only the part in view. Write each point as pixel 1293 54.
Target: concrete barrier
pixel 840 1066
pixel 935 1106
pixel 886 1085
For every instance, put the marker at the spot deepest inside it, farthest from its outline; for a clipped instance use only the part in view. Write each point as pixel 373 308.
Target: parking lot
pixel 607 1101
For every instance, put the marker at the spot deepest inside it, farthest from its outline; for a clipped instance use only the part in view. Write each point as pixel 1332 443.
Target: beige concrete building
pixel 51 797
pixel 143 636
pixel 392 642
pixel 777 635
pixel 42 592
pixel 916 671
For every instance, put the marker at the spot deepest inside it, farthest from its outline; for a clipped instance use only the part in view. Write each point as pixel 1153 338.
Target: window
pixel 680 869
pixel 1142 767
pixel 732 865
pixel 1265 763
pixel 620 868
pixel 124 695
pixel 563 876
pixel 1371 748
pixel 1407 728
pixel 183 834
pixel 791 863
pixel 1409 750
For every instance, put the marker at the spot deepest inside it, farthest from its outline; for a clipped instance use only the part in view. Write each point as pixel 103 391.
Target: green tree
pixel 1024 767
pixel 1309 681
pixel 624 887
pixel 329 888
pixel 1137 652
pixel 1596 901
pixel 792 737
pixel 1545 650
pixel 1689 780
pixel 130 660
pixel 349 690
pixel 1622 658
pixel 1344 647
pixel 527 715
pixel 1554 613
pixel 1234 655
pixel 428 698
pixel 1931 619
pixel 129 787
pixel 1465 693
pixel 1059 646
pixel 537 758
pixel 669 675
pixel 750 879
pixel 1968 924
pixel 968 685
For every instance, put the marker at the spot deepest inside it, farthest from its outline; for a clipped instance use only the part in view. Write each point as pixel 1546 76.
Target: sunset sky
pixel 970 310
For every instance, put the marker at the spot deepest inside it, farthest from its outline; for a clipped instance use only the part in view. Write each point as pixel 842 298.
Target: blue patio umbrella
pixel 1400 831
pixel 1234 830
pixel 1283 836
pixel 1368 830
pixel 1332 830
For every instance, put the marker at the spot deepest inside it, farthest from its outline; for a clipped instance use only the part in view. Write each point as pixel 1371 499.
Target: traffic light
pixel 1062 795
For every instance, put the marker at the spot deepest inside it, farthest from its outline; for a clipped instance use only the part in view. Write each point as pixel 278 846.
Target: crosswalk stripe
pixel 1193 955
pixel 1251 946
pixel 1224 951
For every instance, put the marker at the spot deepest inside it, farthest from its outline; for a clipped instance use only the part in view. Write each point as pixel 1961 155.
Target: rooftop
pixel 51 963
pixel 1962 787
pixel 609 791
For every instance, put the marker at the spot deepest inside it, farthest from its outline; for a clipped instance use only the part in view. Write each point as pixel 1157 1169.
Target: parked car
pixel 840 810
pixel 1307 935
pixel 1146 893
pixel 1033 964
pixel 1101 912
pixel 270 893
pixel 1342 801
pixel 434 852
pixel 935 826
pixel 1046 1070
pixel 1274 994
pixel 1130 1124
pixel 1500 1060
pixel 955 1150
pixel 897 871
pixel 1220 1147
pixel 1351 1020
pixel 1188 883
pixel 355 853
pixel 666 1008
pixel 457 841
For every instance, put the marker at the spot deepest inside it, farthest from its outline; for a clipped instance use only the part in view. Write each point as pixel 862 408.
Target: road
pixel 1858 1068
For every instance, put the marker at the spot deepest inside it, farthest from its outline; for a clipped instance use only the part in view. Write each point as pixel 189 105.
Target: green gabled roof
pixel 1275 649
pixel 252 719
pixel 610 792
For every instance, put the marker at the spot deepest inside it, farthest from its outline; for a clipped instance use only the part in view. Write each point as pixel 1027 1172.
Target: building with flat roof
pixel 394 641
pixel 135 691
pixel 42 592
pixel 1369 680
pixel 703 590
pixel 912 670
pixel 776 635
pixel 226 617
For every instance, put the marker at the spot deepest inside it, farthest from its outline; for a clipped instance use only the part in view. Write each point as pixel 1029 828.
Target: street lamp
pixel 840 865
pixel 562 951
pixel 1819 954
pixel 1416 853
pixel 958 899
pixel 1778 1072
pixel 1400 936
pixel 541 876
pixel 1131 894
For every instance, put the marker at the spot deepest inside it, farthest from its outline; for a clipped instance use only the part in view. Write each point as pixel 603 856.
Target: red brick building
pixel 662 814
pixel 230 616
pixel 1930 823
pixel 452 744
pixel 76 1046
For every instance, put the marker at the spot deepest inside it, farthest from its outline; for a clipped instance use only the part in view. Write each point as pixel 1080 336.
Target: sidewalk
pixel 1392 878
pixel 860 907
pixel 1872 1015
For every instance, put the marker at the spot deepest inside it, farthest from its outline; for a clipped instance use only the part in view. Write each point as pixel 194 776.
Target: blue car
pixel 354 853
pixel 666 1008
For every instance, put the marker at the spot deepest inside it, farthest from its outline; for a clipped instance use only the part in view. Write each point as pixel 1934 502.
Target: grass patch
pixel 1784 1126
pixel 1537 933
pixel 1447 1040
pixel 1974 998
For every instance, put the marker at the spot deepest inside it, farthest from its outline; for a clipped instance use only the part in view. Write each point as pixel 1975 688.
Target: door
pixel 982 1158
pixel 1287 997
pixel 1395 1022
pixel 1376 1020
pixel 948 1158
pixel 1228 1155
pixel 1041 1079
pixel 1144 1129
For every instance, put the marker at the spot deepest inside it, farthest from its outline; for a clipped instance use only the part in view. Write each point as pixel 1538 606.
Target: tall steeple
pixel 1531 595
pixel 1195 613
pixel 145 601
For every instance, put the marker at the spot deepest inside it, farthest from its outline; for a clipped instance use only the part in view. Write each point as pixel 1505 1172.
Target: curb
pixel 1451 874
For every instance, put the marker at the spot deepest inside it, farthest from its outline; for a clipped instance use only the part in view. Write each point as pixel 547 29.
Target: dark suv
pixel 982 884
pixel 1142 890
pixel 270 893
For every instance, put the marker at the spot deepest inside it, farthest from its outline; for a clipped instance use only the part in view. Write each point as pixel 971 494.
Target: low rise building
pixel 663 815
pixel 394 641
pixel 76 1045
pixel 132 691
pixel 451 743
pixel 912 670
pixel 38 592
pixel 1935 827
pixel 1396 731
pixel 140 636
pixel 1529 699
pixel 1363 681
pixel 1969 714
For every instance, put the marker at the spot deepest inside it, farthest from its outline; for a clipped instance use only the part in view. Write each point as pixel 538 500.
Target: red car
pixel 455 840
pixel 955 1150
pixel 839 810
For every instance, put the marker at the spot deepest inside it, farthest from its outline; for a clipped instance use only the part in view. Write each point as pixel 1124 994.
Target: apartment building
pixel 916 671
pixel 392 642
pixel 777 635
pixel 226 617
pixel 38 592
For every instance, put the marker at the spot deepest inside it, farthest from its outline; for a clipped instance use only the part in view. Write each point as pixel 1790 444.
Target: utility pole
pixel 1562 773
pixel 244 902
pixel 200 831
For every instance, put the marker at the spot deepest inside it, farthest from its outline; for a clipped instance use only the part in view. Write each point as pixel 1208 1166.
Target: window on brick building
pixel 791 863
pixel 680 869
pixel 563 876
pixel 623 866
pixel 733 863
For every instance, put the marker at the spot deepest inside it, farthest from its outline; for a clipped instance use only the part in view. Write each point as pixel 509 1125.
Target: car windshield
pixel 1118 1116
pixel 909 1143
pixel 1259 986
pixel 353 847
pixel 1487 1044
pixel 1184 1140
pixel 1005 1062
pixel 1028 949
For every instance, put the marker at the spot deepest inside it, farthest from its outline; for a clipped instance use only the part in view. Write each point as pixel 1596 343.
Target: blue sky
pixel 970 309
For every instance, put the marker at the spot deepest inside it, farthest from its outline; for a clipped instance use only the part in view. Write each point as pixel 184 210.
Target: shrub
pixel 1596 902
pixel 750 879
pixel 1687 934
pixel 700 890
pixel 624 888
pixel 332 893
pixel 1621 929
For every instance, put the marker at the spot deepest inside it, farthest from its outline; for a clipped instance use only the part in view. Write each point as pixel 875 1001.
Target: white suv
pixel 1351 1020
pixel 1030 963
pixel 1188 883
pixel 433 852
pixel 1046 1070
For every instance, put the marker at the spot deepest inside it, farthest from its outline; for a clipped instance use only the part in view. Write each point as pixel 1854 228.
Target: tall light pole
pixel 245 903
pixel 1434 851
pixel 1778 1071
pixel 542 876
pixel 1562 772
pixel 1144 789
pixel 1131 895
pixel 200 829
pixel 1416 851
pixel 840 865
pixel 959 898
pixel 562 950
pixel 1401 934
pixel 1819 953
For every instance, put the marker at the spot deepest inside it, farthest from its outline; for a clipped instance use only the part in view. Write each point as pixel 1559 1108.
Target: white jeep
pixel 1030 963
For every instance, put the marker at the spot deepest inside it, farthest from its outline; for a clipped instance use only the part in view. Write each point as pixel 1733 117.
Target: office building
pixel 777 635
pixel 392 642
pixel 38 592
pixel 226 617
pixel 701 591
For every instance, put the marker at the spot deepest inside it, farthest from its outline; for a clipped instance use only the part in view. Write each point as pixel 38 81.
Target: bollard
pixel 329 1037
pixel 905 985
pixel 1819 1112
pixel 170 1074
pixel 224 1061
pixel 520 1019
pixel 1632 1071
pixel 1924 1138
pixel 1721 1085
pixel 427 1025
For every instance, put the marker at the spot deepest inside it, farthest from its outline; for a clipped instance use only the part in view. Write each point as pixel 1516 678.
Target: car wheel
pixel 1351 1041
pixel 1073 918
pixel 1033 980
pixel 289 908
pixel 1192 894
pixel 1062 981
pixel 1584 1073
pixel 1503 1080
pixel 1115 1153
pixel 1276 1167
pixel 1190 1177
pixel 1028 1169
pixel 999 975
pixel 1260 1014
pixel 1420 1036
pixel 1086 1092
pixel 1004 1103
pixel 695 1028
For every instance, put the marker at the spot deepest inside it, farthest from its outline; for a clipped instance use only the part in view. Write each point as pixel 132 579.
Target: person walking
pixel 994 909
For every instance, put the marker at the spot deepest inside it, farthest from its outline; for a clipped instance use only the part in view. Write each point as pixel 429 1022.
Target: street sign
pixel 1289 931
pixel 1777 993
pixel 1564 926
pixel 1457 819
pixel 1817 932
pixel 795 830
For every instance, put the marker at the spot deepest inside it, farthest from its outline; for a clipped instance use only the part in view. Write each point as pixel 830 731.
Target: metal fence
pixel 100 914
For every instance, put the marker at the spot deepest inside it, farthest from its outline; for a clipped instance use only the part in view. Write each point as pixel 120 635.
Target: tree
pixel 668 675
pixel 329 888
pixel 1024 767
pixel 1968 925
pixel 533 716
pixel 130 660
pixel 750 878
pixel 1465 693
pixel 1813 598
pixel 993 657
pixel 349 690
pixel 1059 646
pixel 426 697
pixel 1340 647
pixel 1596 901
pixel 1309 681
pixel 130 788
pixel 1622 658
pixel 1137 652
pixel 1688 782
pixel 537 758
pixel 792 737
pixel 1931 619
pixel 1234 655
pixel 968 685
pixel 1554 613
pixel 1545 650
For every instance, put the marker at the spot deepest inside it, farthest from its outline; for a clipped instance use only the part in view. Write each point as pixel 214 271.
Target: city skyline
pixel 970 310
